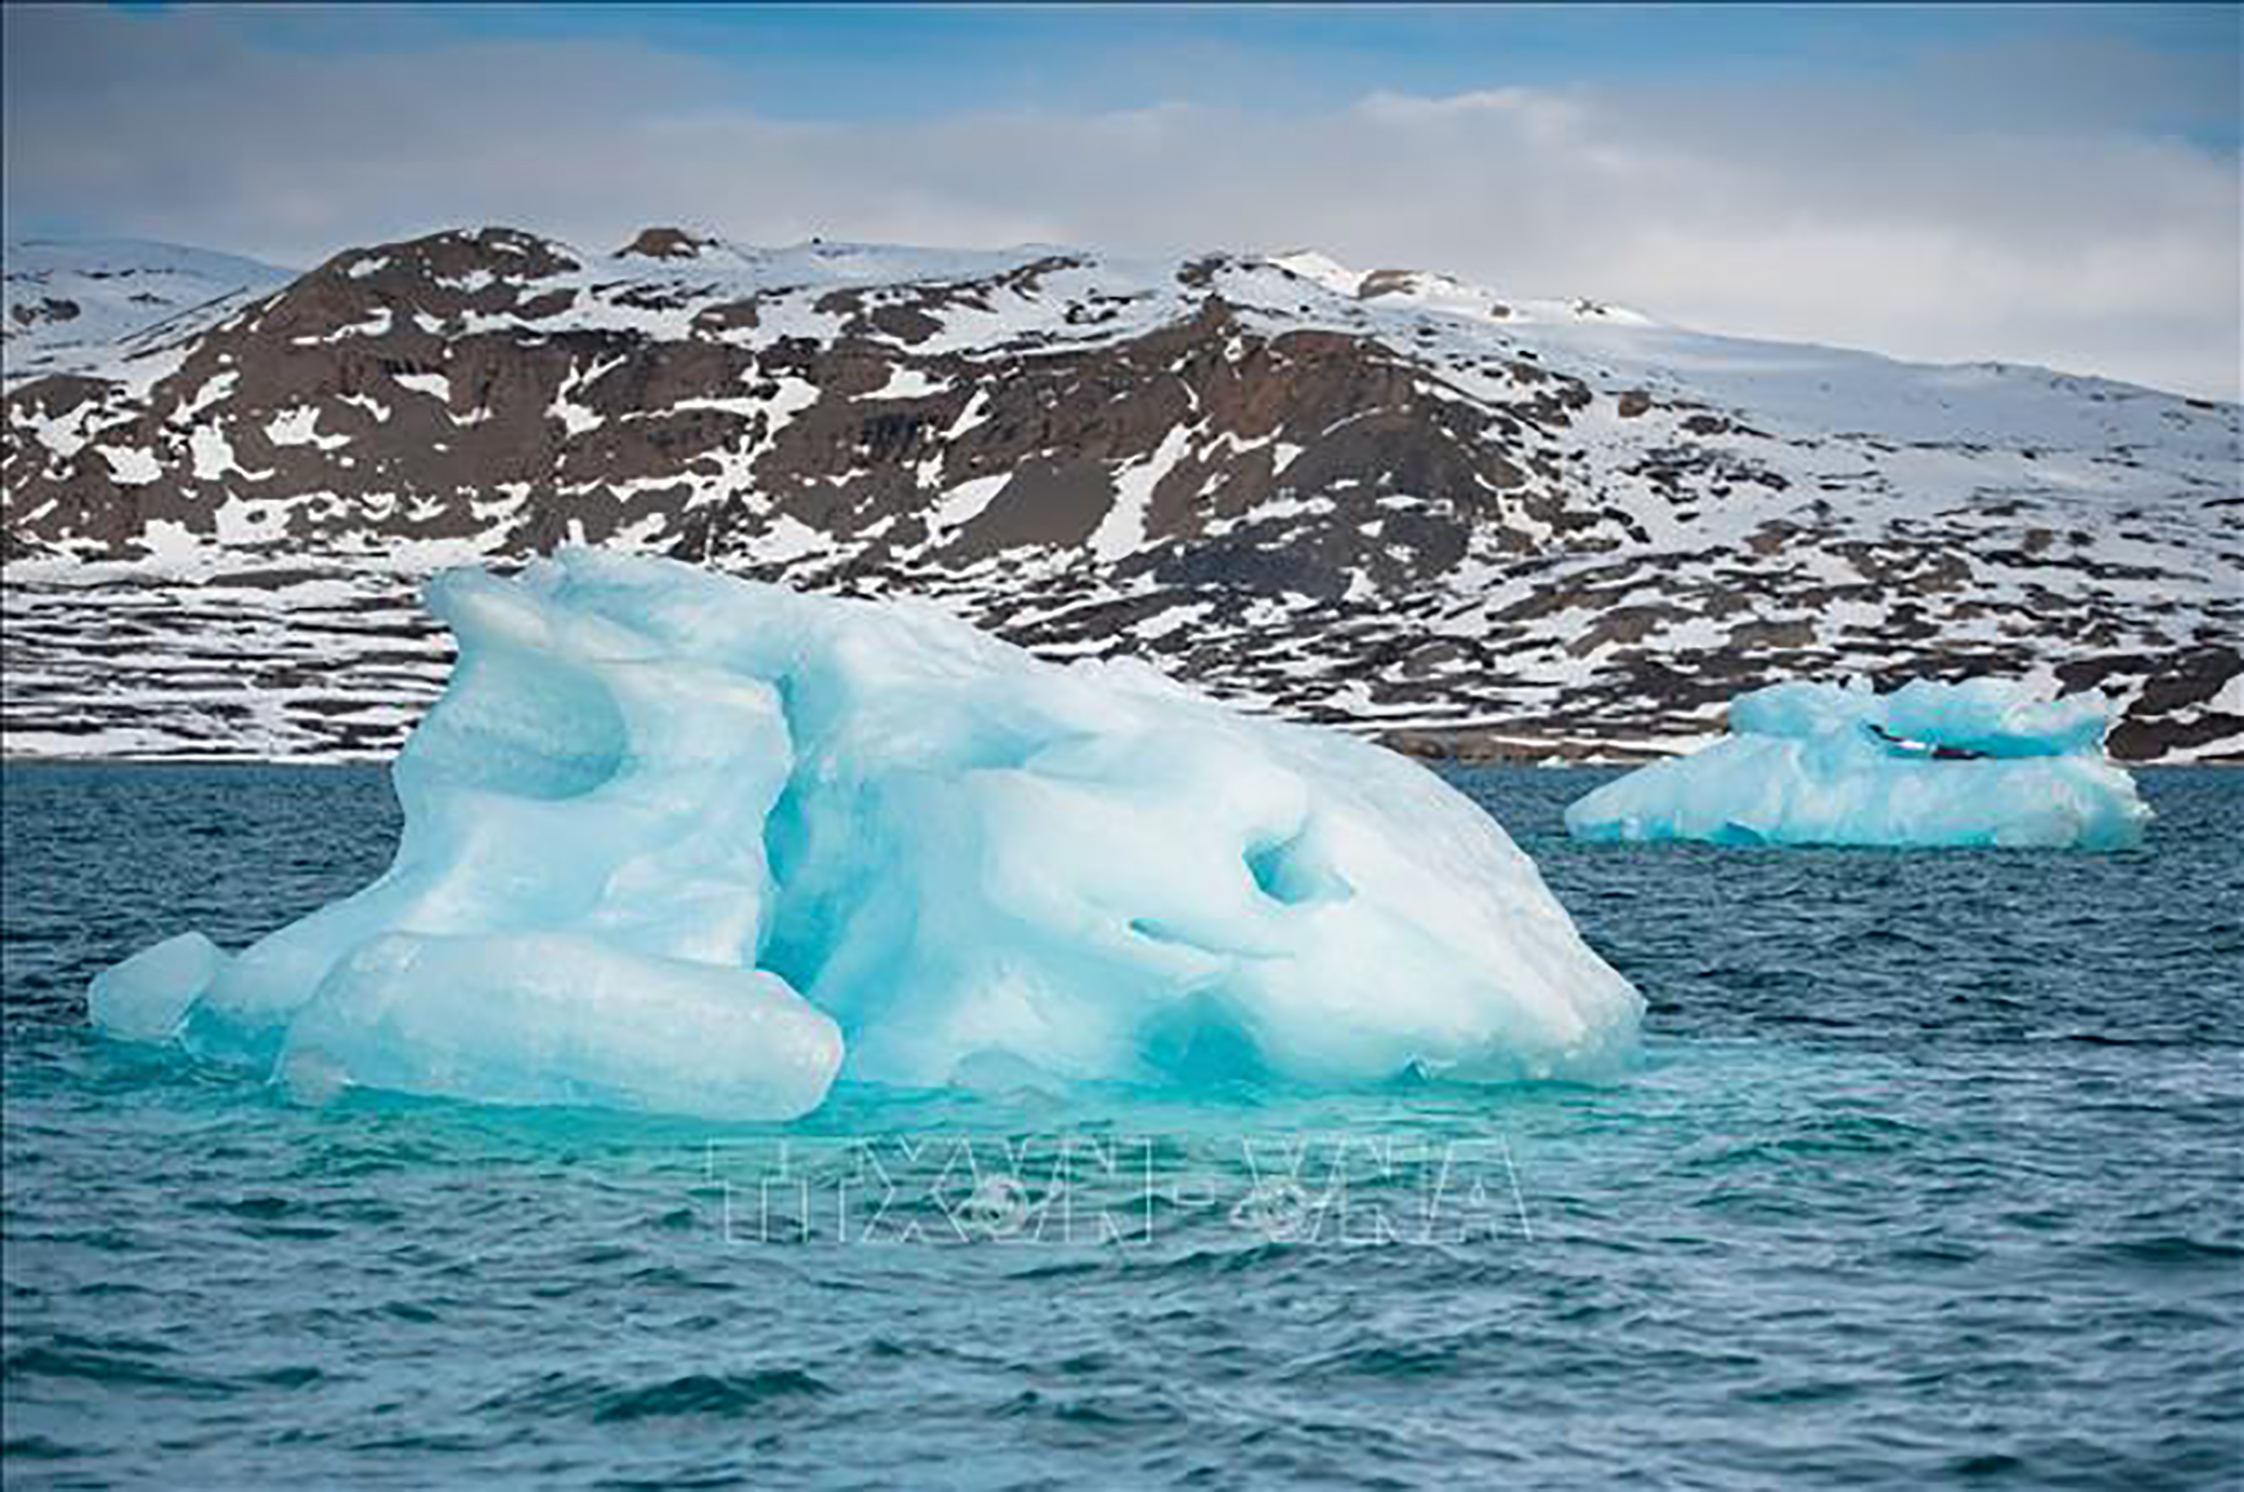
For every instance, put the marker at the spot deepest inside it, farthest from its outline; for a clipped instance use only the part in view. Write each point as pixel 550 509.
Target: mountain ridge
pixel 1387 500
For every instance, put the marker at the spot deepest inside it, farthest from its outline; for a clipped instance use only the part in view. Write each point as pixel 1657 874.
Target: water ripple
pixel 1928 1175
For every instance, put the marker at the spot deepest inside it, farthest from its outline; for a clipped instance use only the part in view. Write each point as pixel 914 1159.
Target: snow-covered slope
pixel 92 307
pixel 1462 518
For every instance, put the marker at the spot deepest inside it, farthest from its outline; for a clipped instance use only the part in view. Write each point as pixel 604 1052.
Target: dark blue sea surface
pixel 1929 1175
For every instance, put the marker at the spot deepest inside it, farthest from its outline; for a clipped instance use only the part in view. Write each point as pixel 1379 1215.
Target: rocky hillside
pixel 1466 521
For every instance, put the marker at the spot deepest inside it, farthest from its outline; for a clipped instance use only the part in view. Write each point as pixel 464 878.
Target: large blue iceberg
pixel 1976 763
pixel 684 844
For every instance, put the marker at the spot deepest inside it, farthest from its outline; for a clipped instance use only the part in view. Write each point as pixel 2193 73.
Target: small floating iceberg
pixel 684 844
pixel 1976 763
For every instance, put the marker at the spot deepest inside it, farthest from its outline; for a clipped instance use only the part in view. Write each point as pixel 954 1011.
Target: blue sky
pixel 2053 183
pixel 840 62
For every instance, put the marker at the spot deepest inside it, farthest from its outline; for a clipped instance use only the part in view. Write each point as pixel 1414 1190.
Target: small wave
pixel 1223 1261
pixel 97 1363
pixel 1136 1412
pixel 1063 1269
pixel 1387 1360
pixel 708 1393
pixel 2171 1251
pixel 718 1395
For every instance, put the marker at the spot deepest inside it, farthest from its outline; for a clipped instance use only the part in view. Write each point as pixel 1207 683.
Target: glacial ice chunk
pixel 562 1018
pixel 145 997
pixel 686 844
pixel 1977 763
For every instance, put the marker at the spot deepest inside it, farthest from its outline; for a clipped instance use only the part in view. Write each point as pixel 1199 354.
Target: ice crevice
pixel 684 844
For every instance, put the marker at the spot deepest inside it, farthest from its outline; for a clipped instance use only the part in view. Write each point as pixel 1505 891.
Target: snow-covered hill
pixel 1463 519
pixel 78 307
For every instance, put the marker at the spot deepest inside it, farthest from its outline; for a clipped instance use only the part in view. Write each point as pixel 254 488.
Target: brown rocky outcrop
pixel 1336 506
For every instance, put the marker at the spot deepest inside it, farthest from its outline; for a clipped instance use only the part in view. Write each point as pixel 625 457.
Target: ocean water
pixel 1930 1175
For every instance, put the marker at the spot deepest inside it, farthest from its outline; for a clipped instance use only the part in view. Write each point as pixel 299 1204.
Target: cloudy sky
pixel 2055 185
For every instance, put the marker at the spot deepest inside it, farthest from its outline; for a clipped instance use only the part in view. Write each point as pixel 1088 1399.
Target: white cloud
pixel 1855 216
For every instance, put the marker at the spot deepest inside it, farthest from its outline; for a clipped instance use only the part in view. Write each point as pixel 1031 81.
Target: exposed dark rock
pixel 664 243
pixel 1321 510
